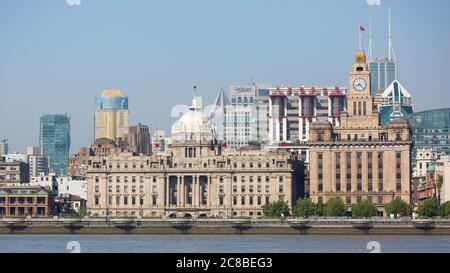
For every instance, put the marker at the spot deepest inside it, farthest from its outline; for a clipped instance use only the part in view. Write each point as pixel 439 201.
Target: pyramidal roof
pixel 221 100
pixel 396 89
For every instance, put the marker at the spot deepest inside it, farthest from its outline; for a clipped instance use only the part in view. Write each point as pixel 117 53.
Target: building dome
pixel 193 125
pixel 431 169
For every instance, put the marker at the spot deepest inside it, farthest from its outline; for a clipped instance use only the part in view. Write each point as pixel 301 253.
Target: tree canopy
pixel 304 208
pixel 364 209
pixel 429 208
pixel 275 209
pixel 398 206
pixel 335 207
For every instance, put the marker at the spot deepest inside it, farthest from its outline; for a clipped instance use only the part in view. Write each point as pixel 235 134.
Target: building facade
pixel 383 72
pixel 138 139
pixel 394 102
pixel 38 163
pixel 23 201
pixel 246 117
pixel 359 158
pixel 111 115
pixel 54 140
pixel 193 179
pixel 4 150
pixel 293 109
pixel 13 172
pixel 431 129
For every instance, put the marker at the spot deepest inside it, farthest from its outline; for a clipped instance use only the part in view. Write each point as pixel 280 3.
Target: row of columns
pixel 182 191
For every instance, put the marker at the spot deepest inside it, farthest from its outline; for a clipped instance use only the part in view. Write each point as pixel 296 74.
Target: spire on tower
pixel 370 51
pixel 391 46
pixel 392 56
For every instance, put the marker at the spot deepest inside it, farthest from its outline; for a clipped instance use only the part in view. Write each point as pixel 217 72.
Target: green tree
pixel 445 209
pixel 82 212
pixel 275 209
pixel 439 182
pixel 429 208
pixel 398 206
pixel 335 207
pixel 364 209
pixel 319 209
pixel 304 207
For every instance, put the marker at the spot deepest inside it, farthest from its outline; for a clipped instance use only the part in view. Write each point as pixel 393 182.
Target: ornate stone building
pixel 360 159
pixel 194 178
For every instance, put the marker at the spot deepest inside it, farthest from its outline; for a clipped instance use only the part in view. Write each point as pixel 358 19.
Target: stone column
pixel 179 186
pixel 210 192
pixel 182 191
pixel 196 191
pixel 167 190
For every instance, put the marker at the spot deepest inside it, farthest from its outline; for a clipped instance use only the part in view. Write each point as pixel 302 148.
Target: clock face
pixel 359 84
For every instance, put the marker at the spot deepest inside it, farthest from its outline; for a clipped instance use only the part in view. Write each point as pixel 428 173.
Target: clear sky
pixel 55 58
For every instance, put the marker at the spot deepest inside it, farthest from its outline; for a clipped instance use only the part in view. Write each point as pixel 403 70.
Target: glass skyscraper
pixel 54 141
pixel 382 74
pixel 431 129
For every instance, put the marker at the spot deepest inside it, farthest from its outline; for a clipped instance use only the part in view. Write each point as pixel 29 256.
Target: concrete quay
pixel 322 226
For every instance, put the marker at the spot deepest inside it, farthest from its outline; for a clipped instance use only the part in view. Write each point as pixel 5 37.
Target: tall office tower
pixel 138 139
pixel 246 115
pixel 37 162
pixel 293 109
pixel 111 115
pixel 4 147
pixel 262 113
pixel 383 70
pixel 54 141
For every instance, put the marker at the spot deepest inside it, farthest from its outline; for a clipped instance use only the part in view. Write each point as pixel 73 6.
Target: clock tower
pixel 360 112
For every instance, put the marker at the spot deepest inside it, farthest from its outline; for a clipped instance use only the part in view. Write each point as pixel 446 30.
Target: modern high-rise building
pixel 138 139
pixel 111 115
pixel 360 159
pixel 383 70
pixel 246 118
pixel 4 147
pixel 382 73
pixel 54 141
pixel 431 129
pixel 37 162
pixel 293 109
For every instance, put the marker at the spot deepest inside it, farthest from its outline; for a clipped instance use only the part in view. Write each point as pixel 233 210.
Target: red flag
pixel 362 28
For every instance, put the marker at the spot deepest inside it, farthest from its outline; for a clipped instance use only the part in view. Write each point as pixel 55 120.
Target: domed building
pixel 193 126
pixel 193 179
pixel 192 135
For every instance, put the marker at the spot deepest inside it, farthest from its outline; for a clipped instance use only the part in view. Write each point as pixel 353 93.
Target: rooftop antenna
pixel 370 51
pixel 392 56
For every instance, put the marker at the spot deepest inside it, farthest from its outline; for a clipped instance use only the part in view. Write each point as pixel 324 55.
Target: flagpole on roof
pixel 360 38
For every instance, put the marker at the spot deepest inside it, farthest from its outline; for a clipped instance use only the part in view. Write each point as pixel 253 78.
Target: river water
pixel 222 244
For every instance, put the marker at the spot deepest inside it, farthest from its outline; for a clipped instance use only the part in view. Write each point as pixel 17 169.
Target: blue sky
pixel 55 58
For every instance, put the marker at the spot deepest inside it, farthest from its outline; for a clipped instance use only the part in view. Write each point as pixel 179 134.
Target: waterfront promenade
pixel 313 226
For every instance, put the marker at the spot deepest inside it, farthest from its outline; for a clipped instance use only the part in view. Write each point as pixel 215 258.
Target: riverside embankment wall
pixel 231 226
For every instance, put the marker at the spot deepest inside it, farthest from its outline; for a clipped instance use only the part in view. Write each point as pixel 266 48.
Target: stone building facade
pixel 360 159
pixel 194 178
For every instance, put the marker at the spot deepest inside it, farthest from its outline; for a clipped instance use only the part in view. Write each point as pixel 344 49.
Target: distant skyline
pixel 56 58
